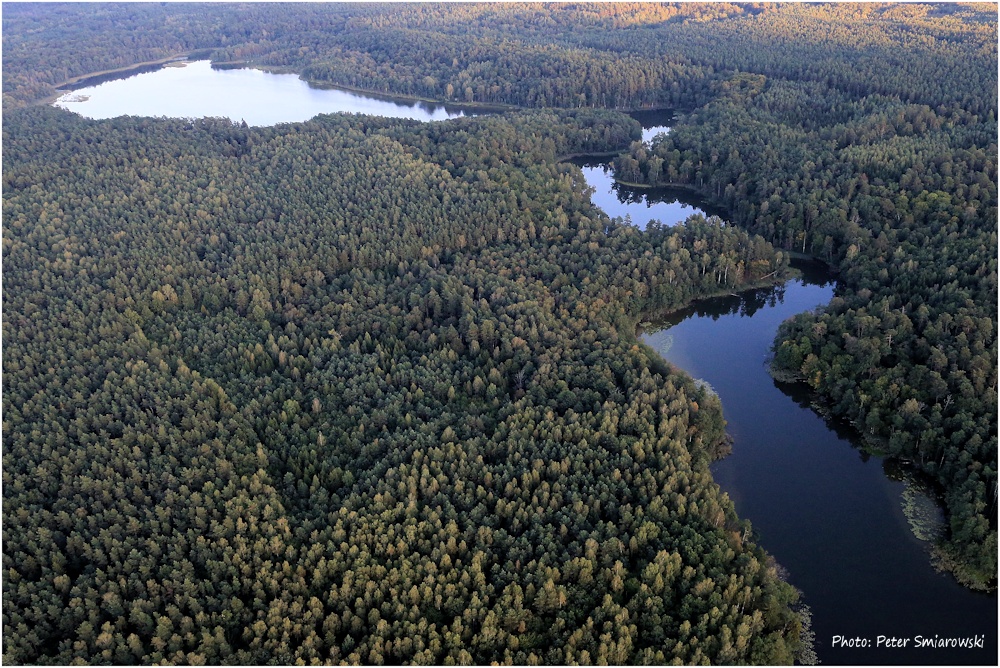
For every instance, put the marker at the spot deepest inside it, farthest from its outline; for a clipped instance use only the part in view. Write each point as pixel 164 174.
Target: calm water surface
pixel 641 205
pixel 831 515
pixel 196 90
pixel 654 122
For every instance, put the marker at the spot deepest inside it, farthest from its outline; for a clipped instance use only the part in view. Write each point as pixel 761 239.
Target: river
pixel 832 515
pixel 829 513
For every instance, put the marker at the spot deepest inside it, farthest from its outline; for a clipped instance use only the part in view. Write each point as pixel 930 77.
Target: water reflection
pixel 640 205
pixel 853 529
pixel 198 90
pixel 653 121
pixel 744 304
pixel 748 302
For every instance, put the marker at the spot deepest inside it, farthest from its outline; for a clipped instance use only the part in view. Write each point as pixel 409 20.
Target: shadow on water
pixel 805 398
pixel 98 79
pixel 654 119
pixel 852 528
pixel 842 526
pixel 749 302
pixel 666 195
pixel 640 205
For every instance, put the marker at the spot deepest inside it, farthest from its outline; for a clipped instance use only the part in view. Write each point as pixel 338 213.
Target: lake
pixel 196 90
pixel 829 513
pixel 832 515
pixel 641 205
pixel 667 205
pixel 653 121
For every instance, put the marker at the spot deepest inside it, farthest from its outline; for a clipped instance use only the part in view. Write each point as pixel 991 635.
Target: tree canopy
pixel 366 390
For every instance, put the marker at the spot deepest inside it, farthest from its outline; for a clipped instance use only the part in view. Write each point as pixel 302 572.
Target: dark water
pixel 829 513
pixel 641 205
pixel 654 122
pixel 197 90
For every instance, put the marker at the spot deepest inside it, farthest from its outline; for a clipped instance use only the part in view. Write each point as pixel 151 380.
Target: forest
pixel 251 417
pixel 417 430
pixel 899 193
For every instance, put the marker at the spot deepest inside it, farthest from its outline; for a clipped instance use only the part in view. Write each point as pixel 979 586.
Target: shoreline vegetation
pixel 715 203
pixel 503 334
pixel 436 440
pixel 938 554
pixel 894 414
pixel 376 93
pixel 204 54
pixel 318 83
pixel 81 81
pixel 874 444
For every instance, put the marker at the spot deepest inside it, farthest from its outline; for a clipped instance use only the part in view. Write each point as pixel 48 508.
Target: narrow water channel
pixel 830 514
pixel 640 205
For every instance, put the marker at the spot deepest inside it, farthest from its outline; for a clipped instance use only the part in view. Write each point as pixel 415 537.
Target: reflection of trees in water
pixel 628 195
pixel 744 304
pixel 665 195
pixel 921 497
pixel 98 79
pixel 591 162
pixel 654 117
pixel 804 397
pixel 648 196
pixel 752 302
pixel 749 302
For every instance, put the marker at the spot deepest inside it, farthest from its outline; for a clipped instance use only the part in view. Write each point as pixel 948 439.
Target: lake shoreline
pixel 707 198
pixel 578 156
pixel 657 319
pixel 940 557
pixel 505 106
pixel 795 468
pixel 193 56
pixel 81 81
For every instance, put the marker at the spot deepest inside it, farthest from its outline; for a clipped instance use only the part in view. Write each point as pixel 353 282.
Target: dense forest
pixel 901 197
pixel 250 416
pixel 251 419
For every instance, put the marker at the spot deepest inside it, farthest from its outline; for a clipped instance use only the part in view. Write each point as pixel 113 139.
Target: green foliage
pixel 253 416
pixel 893 182
pixel 366 390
